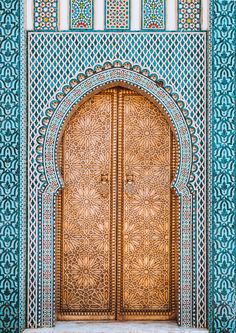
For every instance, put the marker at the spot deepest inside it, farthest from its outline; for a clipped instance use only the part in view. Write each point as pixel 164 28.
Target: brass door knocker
pixel 104 185
pixel 129 185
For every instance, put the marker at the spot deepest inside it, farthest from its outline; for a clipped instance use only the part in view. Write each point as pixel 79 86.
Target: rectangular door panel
pixel 145 258
pixel 88 219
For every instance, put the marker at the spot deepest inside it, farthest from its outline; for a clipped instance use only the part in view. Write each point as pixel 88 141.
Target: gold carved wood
pixel 116 215
pixel 88 269
pixel 146 228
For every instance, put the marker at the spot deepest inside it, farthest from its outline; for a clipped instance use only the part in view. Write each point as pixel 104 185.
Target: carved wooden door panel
pixel 88 222
pixel 116 232
pixel 147 213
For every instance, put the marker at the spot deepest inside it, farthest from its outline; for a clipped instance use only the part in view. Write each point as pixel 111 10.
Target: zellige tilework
pixel 221 170
pixel 81 14
pixel 45 14
pixel 189 15
pixel 153 14
pixel 63 60
pixel 12 167
pixel 117 14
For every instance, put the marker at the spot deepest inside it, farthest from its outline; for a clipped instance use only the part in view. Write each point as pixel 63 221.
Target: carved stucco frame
pixel 52 123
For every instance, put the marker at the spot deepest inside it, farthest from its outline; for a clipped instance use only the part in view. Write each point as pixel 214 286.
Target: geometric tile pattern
pixel 81 14
pixel 153 14
pixel 45 15
pixel 12 167
pixel 222 199
pixel 117 14
pixel 189 12
pixel 58 59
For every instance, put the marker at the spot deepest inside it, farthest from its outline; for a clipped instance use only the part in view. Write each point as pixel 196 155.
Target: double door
pixel 117 213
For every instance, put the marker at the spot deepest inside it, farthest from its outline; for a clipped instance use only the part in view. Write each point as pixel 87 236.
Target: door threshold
pixel 116 327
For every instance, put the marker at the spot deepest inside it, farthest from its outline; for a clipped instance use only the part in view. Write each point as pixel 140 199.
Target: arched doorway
pixel 117 213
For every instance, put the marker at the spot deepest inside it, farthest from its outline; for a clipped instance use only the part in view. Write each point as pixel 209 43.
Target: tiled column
pixel 221 171
pixel 12 167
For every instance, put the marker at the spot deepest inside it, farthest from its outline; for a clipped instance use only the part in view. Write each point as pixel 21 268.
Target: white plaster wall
pixel 171 9
pixel 29 10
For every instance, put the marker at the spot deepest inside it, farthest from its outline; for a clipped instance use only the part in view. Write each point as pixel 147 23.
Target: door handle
pixel 129 185
pixel 104 185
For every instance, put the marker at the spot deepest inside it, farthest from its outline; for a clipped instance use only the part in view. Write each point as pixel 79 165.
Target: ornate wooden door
pixel 116 232
pixel 146 213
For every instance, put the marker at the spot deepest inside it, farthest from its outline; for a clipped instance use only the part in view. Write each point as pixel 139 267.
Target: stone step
pixel 116 327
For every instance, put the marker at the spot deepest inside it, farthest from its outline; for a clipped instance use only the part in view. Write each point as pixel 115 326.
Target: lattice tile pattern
pixel 45 14
pixel 81 14
pixel 153 14
pixel 57 58
pixel 117 14
pixel 189 12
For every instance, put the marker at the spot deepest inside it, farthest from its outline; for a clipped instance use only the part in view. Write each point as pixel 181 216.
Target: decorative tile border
pixel 189 15
pixel 12 167
pixel 46 15
pixel 117 14
pixel 81 14
pixel 222 198
pixel 153 14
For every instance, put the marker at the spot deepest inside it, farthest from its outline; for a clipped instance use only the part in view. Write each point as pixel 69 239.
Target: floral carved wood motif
pixel 145 268
pixel 88 255
pixel 117 216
